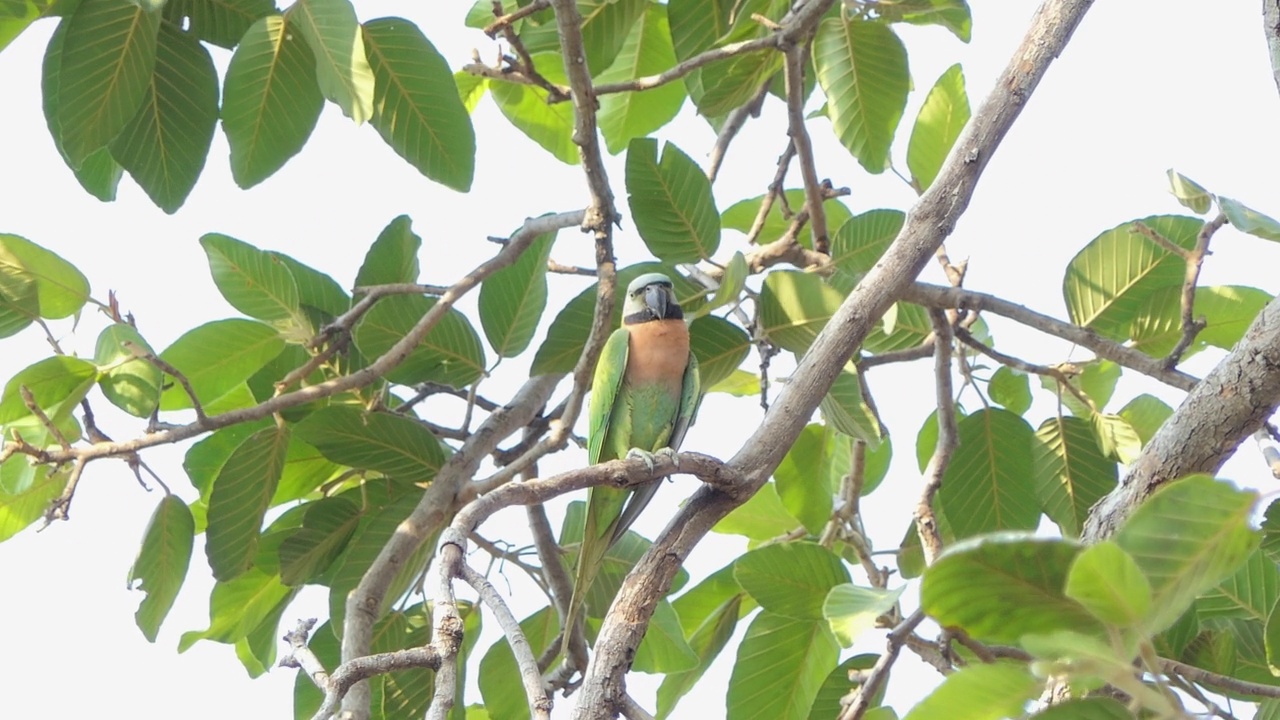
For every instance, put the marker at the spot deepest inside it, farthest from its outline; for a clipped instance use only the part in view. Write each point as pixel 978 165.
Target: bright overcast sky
pixel 1144 86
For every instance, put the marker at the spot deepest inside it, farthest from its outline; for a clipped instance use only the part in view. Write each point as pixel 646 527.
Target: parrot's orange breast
pixel 658 353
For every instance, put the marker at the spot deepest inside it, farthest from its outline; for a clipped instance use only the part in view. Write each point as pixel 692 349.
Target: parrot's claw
pixel 648 457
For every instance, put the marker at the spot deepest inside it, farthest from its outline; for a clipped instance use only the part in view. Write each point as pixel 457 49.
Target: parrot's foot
pixel 647 457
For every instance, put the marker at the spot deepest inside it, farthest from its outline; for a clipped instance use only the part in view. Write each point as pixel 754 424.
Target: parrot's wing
pixel 690 399
pixel 605 384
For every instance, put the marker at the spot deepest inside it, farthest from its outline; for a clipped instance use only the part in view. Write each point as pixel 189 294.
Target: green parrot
pixel 643 397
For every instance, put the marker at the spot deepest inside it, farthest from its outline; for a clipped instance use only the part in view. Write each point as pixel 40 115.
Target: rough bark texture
pixel 1271 26
pixel 1233 401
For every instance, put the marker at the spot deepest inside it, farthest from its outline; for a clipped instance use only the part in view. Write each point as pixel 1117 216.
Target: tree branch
pixel 926 518
pixel 1271 28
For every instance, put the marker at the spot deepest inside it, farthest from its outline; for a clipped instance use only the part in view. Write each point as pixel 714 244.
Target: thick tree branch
pixel 926 226
pixel 1233 401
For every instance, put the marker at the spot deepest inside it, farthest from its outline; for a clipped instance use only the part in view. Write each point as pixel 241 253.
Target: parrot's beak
pixel 657 297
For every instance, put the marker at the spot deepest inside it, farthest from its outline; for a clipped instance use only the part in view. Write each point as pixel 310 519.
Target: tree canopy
pixel 354 421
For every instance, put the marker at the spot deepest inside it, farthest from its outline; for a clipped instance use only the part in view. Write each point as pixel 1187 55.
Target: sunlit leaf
pixel 162 562
pixel 781 664
pixel 128 382
pixel 1189 193
pixel 790 579
pixel 794 307
pixel 851 610
pixel 988 483
pixel 980 692
pixel 333 34
pixel 862 68
pixel 1247 220
pixel 942 117
pixel 671 202
pixel 1070 471
pixel 1109 584
pixel 239 500
pixel 451 352
pixel 218 356
pixel 526 107
pixel 513 299
pixel 647 51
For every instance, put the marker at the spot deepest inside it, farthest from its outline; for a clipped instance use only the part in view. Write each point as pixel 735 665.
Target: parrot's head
pixel 651 297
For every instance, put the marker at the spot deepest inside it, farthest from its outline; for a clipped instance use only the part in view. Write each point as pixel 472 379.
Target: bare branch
pixel 300 655
pixel 30 401
pixel 796 56
pixel 1271 27
pixel 1221 683
pixel 733 124
pixel 1191 326
pixel 879 673
pixel 926 518
pixel 504 21
pixel 144 354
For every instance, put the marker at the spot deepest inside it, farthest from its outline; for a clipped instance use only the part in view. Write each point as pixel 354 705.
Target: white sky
pixel 1143 87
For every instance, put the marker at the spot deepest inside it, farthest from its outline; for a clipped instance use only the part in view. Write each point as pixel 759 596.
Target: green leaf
pixel 238 606
pixel 910 327
pixel 720 347
pixel 804 478
pixel 794 307
pixel 979 692
pixel 471 89
pixel 450 354
pixel 732 283
pixel 526 107
pixel 393 256
pixel 740 383
pixel 942 117
pixel 240 497
pixel 862 68
pixel 988 485
pixel 17 15
pixel 1248 220
pixel 647 51
pixel 725 85
pixel 1093 708
pixel 1114 281
pixel 271 100
pixel 513 299
pixel 1228 310
pixel 253 281
pixel 706 641
pixel 1188 537
pixel 790 579
pixel 568 332
pixel 697 24
pixel 35 280
pixel 1250 593
pixel 130 383
pixel 1011 389
pixel 316 290
pixel 858 244
pixel 394 445
pixel 1117 440
pixel 781 664
pixel 19 507
pixel 605 26
pixel 165 144
pixel 332 32
pixel 499 673
pixel 108 56
pixel 57 384
pixel 663 649
pixel 1189 193
pixel 1145 414
pixel 218 356
pixel 1070 471
pixel 221 22
pixel 839 683
pixel 671 203
pixel 763 517
pixel 416 108
pixel 951 14
pixel 326 528
pixel 847 411
pixel 742 215
pixel 1109 584
pixel 851 610
pixel 1021 592
pixel 162 562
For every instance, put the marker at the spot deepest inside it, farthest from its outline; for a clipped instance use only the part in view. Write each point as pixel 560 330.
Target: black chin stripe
pixel 647 315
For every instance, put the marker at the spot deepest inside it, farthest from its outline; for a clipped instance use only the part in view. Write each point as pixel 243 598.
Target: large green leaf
pixel 988 484
pixel 858 244
pixel 706 640
pixel 238 606
pixel 108 56
pixel 1022 592
pixel 162 562
pixel 794 307
pixel 980 692
pixel 271 101
pixel 1011 389
pixel 1228 310
pixel 1188 537
pixel 605 26
pixel 851 610
pixel 19 507
pixel 1145 414
pixel 804 478
pixel 1250 593
pixel 513 299
pixel 942 117
pixel 393 256
pixel 1070 472
pixel 742 215
pixel 221 22
pixel 568 332
pixel 730 83
pixel 720 347
pixel 326 528
pixel 663 649
pixel 33 281
pixel 790 579
pixel 862 67
pixel 128 382
pixel 1111 283
pixel 697 24
pixel 416 108
pixel 1248 220
pixel 647 51
pixel 839 682
pixel 239 499
pixel 781 664
pixel 763 517
pixel 56 384
pixel 450 354
pixel 394 445
pixel 671 203
pixel 550 125
pixel 253 281
pixel 342 70
pixel 218 356
pixel 317 291
pixel 1109 584
pixel 165 144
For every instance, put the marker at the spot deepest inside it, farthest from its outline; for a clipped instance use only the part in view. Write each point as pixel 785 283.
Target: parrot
pixel 644 395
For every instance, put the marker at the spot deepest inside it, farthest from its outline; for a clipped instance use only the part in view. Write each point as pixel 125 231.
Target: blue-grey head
pixel 651 297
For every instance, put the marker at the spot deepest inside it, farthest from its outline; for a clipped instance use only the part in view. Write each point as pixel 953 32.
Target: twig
pixel 774 191
pixel 554 92
pixel 1219 682
pixel 555 267
pixel 1191 326
pixel 30 401
pixel 733 124
pixel 301 372
pixel 871 683
pixel 794 75
pixel 371 295
pixel 348 674
pixel 504 21
pixel 919 352
pixel 144 354
pixel 631 709
pixel 1150 233
pixel 926 517
pixel 1018 364
pixel 681 69
pixel 60 509
pixel 300 655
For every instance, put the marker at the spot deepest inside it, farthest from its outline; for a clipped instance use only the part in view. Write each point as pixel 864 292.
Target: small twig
pixel 60 509
pixel 301 372
pixel 30 401
pixel 48 336
pixel 631 709
pixel 1219 682
pixel 955 272
pixel 919 352
pixel 554 92
pixel 371 295
pixel 926 517
pixel 144 354
pixel 1018 364
pixel 794 75
pixel 860 698
pixel 774 190
pixel 301 656
pixel 555 267
pixel 505 21
pixel 733 124
pixel 681 69
pixel 1191 326
pixel 1150 233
